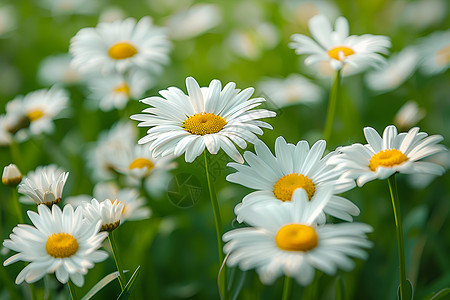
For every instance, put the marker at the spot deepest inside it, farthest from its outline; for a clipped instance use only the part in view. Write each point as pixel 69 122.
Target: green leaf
pixel 101 284
pixel 442 294
pixel 340 290
pixel 409 290
pixel 127 290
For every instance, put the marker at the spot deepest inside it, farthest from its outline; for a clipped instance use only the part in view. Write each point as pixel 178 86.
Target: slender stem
pixel 17 206
pixel 332 106
pixel 73 296
pixel 287 288
pixel 218 221
pixel 398 225
pixel 112 242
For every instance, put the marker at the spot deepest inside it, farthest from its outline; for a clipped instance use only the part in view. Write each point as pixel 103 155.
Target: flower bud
pixel 11 175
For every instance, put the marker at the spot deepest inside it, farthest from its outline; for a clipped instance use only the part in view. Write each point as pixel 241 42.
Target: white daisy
pixel 61 243
pixel 44 185
pixel 293 167
pixel 69 7
pixel 286 240
pixel 108 211
pixel 400 66
pixel 291 90
pixel 5 134
pixel 120 46
pixel 337 46
pixel 134 207
pixel 207 117
pixel 57 69
pixel 435 51
pixel 385 156
pixel 11 175
pixel 113 91
pixel 36 110
pixel 408 115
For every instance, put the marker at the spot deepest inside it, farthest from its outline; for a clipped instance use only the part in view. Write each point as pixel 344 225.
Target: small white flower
pixel 120 46
pixel 44 185
pixel 209 117
pixel 400 66
pixel 108 211
pixel 276 178
pixel 11 175
pixel 5 134
pixel 385 156
pixel 435 51
pixel 408 115
pixel 291 90
pixel 57 69
pixel 337 47
pixel 286 240
pixel 419 15
pixel 61 243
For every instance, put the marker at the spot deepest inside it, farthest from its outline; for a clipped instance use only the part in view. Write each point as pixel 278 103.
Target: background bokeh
pixel 243 42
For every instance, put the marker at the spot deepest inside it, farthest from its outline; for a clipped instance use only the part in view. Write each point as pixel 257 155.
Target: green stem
pixel 73 296
pixel 398 225
pixel 115 253
pixel 17 205
pixel 218 222
pixel 332 106
pixel 287 288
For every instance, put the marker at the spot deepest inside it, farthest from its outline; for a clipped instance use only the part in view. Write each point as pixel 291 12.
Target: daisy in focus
pixel 44 185
pixel 286 240
pixel 120 46
pixel 61 242
pixel 337 47
pixel 293 167
pixel 435 50
pixel 208 117
pixel 393 153
pixel 107 211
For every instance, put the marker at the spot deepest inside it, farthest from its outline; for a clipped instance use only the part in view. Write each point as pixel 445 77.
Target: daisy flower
pixel 337 47
pixel 107 211
pixel 293 167
pixel 36 110
pixel 207 117
pixel 291 90
pixel 120 46
pixel 114 91
pixel 435 50
pixel 57 69
pixel 44 185
pixel 385 156
pixel 285 239
pixel 60 242
pixel 5 134
pixel 11 175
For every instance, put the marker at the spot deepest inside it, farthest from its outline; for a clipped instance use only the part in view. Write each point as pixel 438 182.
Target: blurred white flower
pixel 108 211
pixel 70 7
pixel 8 19
pixel 421 180
pixel 57 69
pixel 112 14
pixel 61 242
pixel 194 21
pixel 44 185
pixel 289 91
pixel 337 47
pixel 120 46
pixel 400 66
pixel 300 11
pixel 5 135
pixel 408 115
pixel 113 91
pixel 435 51
pixel 422 14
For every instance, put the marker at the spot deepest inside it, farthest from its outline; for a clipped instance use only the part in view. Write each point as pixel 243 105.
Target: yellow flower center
pixel 387 158
pixel 140 163
pixel 296 237
pixel 122 50
pixel 286 185
pixel 61 245
pixel 110 226
pixel 122 88
pixel 35 115
pixel 334 52
pixel 443 56
pixel 204 123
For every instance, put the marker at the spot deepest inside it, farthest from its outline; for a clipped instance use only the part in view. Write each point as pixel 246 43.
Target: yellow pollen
pixel 122 50
pixel 334 52
pixel 110 226
pixel 204 123
pixel 296 237
pixel 122 88
pixel 35 115
pixel 387 158
pixel 443 56
pixel 140 163
pixel 286 185
pixel 61 245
